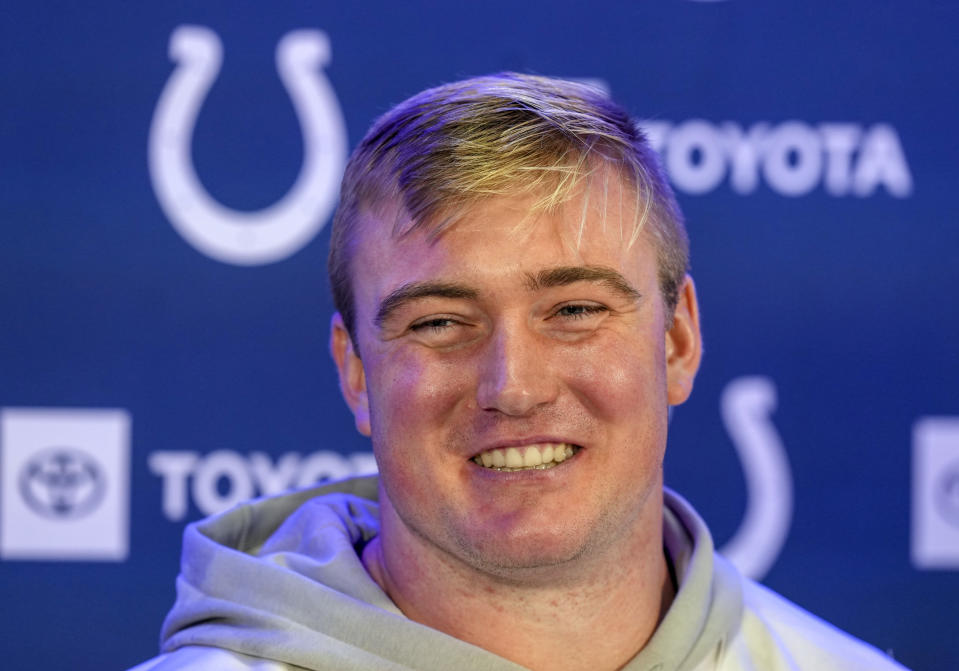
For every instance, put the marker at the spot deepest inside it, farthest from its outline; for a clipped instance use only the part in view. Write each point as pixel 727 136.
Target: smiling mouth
pixel 527 457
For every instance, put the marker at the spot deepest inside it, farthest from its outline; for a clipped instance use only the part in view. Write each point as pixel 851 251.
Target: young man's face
pixel 504 339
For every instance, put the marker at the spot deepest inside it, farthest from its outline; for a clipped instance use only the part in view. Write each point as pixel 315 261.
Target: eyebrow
pixel 415 290
pixel 544 279
pixel 564 275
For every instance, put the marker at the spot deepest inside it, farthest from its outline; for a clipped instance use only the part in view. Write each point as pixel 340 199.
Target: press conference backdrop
pixel 168 174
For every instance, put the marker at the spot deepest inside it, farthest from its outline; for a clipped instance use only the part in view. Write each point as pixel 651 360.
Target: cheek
pixel 616 378
pixel 413 395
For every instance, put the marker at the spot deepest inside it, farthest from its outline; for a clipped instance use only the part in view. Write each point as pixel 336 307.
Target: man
pixel 514 320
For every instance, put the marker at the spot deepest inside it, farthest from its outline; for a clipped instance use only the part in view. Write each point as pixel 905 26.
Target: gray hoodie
pixel 280 579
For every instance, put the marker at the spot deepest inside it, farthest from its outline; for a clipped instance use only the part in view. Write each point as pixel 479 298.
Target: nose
pixel 515 376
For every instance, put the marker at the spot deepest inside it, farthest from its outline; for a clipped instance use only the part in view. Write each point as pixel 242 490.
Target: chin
pixel 525 553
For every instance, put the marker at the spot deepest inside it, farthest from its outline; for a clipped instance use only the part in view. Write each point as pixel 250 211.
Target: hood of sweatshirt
pixel 280 578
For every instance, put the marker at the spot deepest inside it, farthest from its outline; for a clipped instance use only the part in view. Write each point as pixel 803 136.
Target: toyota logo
pixel 62 483
pixel 947 494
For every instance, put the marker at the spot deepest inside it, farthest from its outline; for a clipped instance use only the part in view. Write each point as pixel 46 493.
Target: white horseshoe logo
pixel 746 405
pixel 277 231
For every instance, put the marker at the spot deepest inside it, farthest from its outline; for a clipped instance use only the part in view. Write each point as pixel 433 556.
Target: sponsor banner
pixel 65 484
pixel 746 405
pixel 791 158
pixel 221 479
pixel 171 175
pixel 282 229
pixel 935 493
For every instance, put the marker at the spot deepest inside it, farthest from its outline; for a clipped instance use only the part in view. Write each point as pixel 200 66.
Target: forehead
pixel 503 237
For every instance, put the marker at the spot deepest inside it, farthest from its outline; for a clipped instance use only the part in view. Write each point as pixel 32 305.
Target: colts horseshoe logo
pixel 746 405
pixel 275 232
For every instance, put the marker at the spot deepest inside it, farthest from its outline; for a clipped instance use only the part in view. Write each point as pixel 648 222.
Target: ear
pixel 352 374
pixel 684 345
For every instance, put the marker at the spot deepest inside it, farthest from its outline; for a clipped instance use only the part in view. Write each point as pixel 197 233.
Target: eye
pixel 434 325
pixel 442 331
pixel 575 311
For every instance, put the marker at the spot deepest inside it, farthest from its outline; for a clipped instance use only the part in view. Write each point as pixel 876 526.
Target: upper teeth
pixel 544 455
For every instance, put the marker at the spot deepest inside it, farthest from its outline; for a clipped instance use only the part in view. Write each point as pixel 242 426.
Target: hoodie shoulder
pixel 203 658
pixel 777 634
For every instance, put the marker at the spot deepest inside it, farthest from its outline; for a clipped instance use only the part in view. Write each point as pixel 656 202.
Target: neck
pixel 594 612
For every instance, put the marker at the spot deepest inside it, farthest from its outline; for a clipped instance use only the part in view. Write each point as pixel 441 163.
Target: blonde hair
pixel 439 152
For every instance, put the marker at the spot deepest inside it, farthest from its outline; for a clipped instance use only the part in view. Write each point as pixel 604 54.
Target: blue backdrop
pixel 163 348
